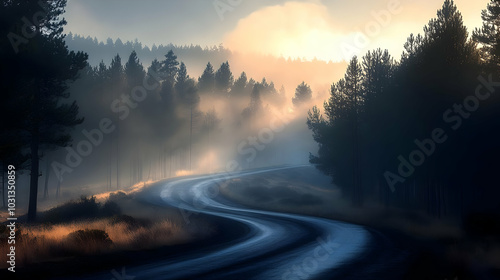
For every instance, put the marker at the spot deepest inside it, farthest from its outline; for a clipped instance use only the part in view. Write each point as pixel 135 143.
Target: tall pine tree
pixel 488 36
pixel 42 67
pixel 206 82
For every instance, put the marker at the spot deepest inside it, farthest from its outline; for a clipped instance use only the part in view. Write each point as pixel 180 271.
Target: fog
pixel 129 137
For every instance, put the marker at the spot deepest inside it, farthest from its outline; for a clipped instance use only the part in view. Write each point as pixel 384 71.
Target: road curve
pixel 273 246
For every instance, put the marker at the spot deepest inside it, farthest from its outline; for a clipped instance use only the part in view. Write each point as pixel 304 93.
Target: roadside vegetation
pixel 442 248
pixel 87 227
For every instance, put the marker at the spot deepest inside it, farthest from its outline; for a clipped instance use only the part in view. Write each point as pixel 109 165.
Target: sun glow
pixel 299 30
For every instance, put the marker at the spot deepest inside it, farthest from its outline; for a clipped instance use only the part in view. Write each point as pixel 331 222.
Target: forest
pixel 224 161
pixel 415 132
pixel 419 132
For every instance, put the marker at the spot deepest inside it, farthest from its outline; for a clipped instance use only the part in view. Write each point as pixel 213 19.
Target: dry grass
pixel 277 192
pixel 105 227
pixel 49 242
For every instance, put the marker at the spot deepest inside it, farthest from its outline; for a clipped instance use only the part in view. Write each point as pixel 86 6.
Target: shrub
pixel 110 208
pixel 89 238
pixel 131 222
pixel 85 208
pixel 118 196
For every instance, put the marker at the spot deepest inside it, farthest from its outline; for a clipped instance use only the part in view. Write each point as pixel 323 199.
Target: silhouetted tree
pixel 134 71
pixel 343 110
pixel 206 82
pixel 42 67
pixel 102 72
pixel 181 79
pixel 488 36
pixel 116 71
pixel 185 88
pixel 303 94
pixel 377 72
pixel 239 85
pixel 224 78
pixel 117 80
pixel 170 67
pixel 255 102
pixel 155 67
pixel 378 79
pixel 376 113
pixel 249 87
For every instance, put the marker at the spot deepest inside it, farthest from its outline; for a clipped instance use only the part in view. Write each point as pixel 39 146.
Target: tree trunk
pixel 47 173
pixel 33 176
pixel 58 189
pixel 356 174
pixel 170 163
pixel 3 183
pixel 191 137
pixel 110 166
pixel 117 157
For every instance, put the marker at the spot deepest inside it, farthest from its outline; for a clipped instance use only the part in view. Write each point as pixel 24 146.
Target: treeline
pixel 285 71
pixel 158 120
pixel 98 50
pixel 162 131
pixel 119 123
pixel 421 133
pixel 105 88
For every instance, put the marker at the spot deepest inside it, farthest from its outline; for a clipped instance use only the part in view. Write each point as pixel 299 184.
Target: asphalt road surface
pixel 263 245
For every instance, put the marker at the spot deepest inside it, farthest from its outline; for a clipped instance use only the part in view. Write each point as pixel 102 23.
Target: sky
pixel 323 29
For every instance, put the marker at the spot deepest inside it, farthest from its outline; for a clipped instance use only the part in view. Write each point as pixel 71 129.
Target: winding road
pixel 270 246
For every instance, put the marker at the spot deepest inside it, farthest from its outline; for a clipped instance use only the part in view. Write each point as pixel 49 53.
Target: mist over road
pixel 270 246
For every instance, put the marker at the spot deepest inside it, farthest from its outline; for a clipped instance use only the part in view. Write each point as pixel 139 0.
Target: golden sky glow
pixel 327 31
pixel 298 28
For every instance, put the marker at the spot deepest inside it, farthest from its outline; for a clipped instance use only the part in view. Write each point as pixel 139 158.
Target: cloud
pixel 339 30
pixel 294 29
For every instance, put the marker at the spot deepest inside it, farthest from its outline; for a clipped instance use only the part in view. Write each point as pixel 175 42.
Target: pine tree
pixel 134 71
pixel 446 38
pixel 224 78
pixel 102 72
pixel 170 67
pixel 206 83
pixel 488 36
pixel 238 88
pixel 116 70
pixel 303 94
pixel 377 71
pixel 338 135
pixel 182 75
pixel 117 80
pixel 43 66
pixel 185 88
pixel 255 102
pixel 155 67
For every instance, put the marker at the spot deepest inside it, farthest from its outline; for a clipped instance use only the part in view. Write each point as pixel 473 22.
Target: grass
pixel 87 227
pixel 298 192
pixel 473 245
